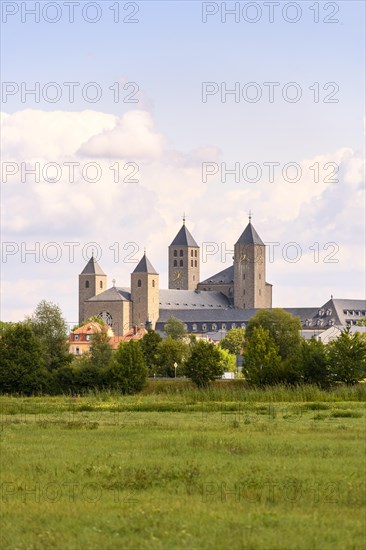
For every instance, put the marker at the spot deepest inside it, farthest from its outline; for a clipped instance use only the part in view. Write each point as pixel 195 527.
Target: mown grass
pixel 170 471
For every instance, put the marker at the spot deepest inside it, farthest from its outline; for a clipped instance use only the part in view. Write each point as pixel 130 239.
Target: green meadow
pixel 175 468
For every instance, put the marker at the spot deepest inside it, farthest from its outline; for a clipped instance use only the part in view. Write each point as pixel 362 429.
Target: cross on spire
pixel 250 216
pixel 184 218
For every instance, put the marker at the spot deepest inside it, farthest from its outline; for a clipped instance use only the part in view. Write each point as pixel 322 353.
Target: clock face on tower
pixel 177 275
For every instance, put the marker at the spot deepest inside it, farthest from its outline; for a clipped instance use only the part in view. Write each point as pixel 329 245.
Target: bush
pixel 128 372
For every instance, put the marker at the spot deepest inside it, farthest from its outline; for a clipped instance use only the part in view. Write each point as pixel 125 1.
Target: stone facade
pixel 145 298
pixel 184 261
pixel 241 286
pixel 92 281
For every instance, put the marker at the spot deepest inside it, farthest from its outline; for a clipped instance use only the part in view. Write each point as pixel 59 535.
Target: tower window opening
pixel 175 263
pixel 181 263
pixel 139 283
pixel 175 253
pixel 86 284
pixel 100 284
pixel 191 263
pixel 153 283
pixel 181 253
pixel 195 263
pixel 191 252
pixel 195 253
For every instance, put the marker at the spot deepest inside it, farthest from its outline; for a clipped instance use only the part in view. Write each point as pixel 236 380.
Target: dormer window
pixel 76 337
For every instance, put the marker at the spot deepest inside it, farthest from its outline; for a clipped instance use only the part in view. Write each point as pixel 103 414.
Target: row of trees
pixel 34 356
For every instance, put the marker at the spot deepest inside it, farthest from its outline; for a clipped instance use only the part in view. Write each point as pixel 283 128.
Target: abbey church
pixel 239 287
pixel 226 300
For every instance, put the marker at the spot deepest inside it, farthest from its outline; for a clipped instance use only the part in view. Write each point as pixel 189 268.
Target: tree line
pixel 35 358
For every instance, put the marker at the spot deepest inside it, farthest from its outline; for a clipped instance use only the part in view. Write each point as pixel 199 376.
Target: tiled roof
pixel 223 277
pixel 184 238
pixel 249 236
pixel 191 300
pixel 92 268
pixel 114 294
pixel 91 327
pixel 145 266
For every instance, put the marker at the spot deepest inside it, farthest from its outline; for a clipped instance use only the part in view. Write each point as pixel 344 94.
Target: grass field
pixel 185 469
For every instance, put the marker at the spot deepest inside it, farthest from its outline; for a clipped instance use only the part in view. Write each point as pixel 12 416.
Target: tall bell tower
pixel 250 287
pixel 145 294
pixel 92 281
pixel 184 261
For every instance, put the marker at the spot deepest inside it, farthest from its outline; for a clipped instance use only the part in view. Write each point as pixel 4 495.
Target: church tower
pixel 145 294
pixel 184 261
pixel 92 281
pixel 250 287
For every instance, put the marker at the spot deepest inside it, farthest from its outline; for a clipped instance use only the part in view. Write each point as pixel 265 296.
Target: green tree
pixel 51 329
pixel 175 329
pixel 128 371
pixel 314 363
pixel 22 368
pixel 101 352
pixel 347 357
pixel 262 362
pixel 150 345
pixel 234 341
pixel 282 327
pixel 204 364
pixel 361 322
pixel 171 351
pixel 228 360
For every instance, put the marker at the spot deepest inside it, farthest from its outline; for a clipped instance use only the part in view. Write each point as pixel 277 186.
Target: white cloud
pixel 149 212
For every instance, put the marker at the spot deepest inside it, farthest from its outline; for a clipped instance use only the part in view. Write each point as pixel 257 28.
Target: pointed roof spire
pixel 184 237
pixel 249 235
pixel 92 267
pixel 145 266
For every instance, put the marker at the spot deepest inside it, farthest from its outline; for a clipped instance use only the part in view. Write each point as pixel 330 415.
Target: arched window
pixel 153 283
pixel 194 327
pixel 139 282
pixel 181 263
pixel 204 327
pixel 175 263
pixel 195 263
pixel 191 263
pixel 100 284
pixel 175 252
pixel 86 284
pixel 195 253
pixel 214 326
pixel 191 252
pixel 181 253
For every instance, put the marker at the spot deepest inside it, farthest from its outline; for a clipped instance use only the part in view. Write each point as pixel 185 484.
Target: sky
pixel 143 111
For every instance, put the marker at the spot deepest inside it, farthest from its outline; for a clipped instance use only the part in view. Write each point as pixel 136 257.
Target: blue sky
pixel 169 53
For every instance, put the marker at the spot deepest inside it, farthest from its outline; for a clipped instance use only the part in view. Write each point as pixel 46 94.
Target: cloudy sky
pixel 119 116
